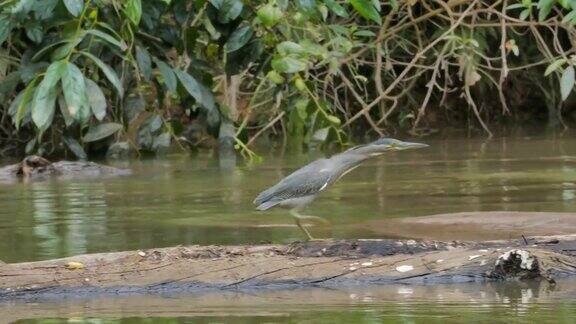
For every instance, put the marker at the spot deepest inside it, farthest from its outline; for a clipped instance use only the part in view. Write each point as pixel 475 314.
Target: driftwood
pixel 312 264
pixel 35 167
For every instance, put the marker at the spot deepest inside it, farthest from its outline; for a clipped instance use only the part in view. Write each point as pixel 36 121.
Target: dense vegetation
pixel 132 75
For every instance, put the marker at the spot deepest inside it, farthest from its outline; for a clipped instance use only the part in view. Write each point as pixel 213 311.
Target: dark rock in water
pixel 35 167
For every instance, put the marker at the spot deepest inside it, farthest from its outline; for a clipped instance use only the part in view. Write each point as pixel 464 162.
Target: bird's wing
pixel 306 181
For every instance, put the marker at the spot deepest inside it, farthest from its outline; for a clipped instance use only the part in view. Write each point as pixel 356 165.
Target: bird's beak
pixel 408 146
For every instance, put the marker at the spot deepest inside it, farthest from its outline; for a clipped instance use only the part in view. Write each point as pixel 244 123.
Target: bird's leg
pixel 314 218
pixel 299 218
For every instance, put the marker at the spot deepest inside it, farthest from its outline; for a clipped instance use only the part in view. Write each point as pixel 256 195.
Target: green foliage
pixel 368 9
pixel 567 82
pixel 98 74
pixel 88 55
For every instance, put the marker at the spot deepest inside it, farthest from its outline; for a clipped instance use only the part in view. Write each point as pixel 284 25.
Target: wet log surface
pixel 339 264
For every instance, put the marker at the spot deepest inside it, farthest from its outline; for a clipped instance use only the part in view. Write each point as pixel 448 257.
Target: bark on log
pixel 311 264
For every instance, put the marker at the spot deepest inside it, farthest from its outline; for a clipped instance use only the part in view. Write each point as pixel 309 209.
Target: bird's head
pixel 385 145
pixel 390 144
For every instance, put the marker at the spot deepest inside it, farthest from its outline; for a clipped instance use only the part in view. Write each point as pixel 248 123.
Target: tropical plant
pixel 118 75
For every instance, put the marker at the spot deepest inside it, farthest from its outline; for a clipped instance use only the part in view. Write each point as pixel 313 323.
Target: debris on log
pixel 517 264
pixel 330 263
pixel 35 167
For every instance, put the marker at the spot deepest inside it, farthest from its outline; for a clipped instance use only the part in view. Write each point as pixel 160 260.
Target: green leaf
pixel 567 82
pixel 107 37
pixel 203 95
pixel 108 72
pixel 21 8
pixel 544 8
pixel 270 15
pixel 314 49
pixel 133 10
pixel 9 84
pixel 74 89
pixel 554 66
pixel 239 38
pixel 287 47
pixel 275 77
pixel 30 146
pixel 44 9
pixel 307 7
pixel 45 95
pixel 288 65
pixel 333 119
pixel 527 3
pixel 228 10
pixel 5 27
pixel 96 99
pixel 64 50
pixel 336 8
pixel 68 120
pixel 524 14
pixel 101 131
pixel 515 6
pixel 35 33
pixel 570 17
pixel 367 10
pixel 301 106
pixel 168 74
pixel 323 12
pixel 75 147
pixel 22 103
pixel 46 49
pixel 144 62
pixel 74 7
pixel 565 4
pixel 13 108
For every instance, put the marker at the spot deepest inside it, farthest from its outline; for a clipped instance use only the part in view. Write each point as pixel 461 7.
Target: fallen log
pixel 311 264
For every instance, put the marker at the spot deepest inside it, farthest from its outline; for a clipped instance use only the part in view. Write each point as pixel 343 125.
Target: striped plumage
pixel 303 185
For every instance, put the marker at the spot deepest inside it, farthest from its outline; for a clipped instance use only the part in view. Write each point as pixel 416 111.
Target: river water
pixel 181 199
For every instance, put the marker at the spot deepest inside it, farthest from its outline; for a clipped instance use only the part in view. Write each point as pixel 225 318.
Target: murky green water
pixel 193 200
pixel 199 200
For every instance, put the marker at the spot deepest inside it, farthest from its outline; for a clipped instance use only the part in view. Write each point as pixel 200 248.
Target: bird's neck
pixel 347 161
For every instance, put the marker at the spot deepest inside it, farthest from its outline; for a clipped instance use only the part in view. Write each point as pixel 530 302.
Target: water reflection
pixel 488 302
pixel 65 218
pixel 199 200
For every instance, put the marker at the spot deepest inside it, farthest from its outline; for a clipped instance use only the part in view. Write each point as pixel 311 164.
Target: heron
pixel 301 187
